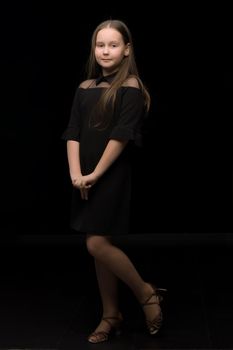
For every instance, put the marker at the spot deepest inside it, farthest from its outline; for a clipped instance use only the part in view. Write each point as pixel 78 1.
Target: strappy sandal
pixel 102 336
pixel 154 325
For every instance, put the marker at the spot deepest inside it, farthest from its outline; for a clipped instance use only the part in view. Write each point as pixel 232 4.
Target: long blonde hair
pixel 128 67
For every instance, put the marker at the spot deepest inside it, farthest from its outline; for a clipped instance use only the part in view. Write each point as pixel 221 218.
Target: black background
pixel 182 199
pixel 183 176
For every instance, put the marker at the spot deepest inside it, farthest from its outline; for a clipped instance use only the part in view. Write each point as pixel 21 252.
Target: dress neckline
pixel 105 78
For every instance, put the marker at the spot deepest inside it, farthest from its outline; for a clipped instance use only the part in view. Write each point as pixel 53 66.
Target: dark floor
pixel 49 297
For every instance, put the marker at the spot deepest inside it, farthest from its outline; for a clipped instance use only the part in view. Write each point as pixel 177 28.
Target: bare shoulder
pixel 132 82
pixel 86 83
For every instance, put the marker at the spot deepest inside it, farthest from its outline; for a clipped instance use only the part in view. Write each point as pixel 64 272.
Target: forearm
pixel 111 153
pixel 73 158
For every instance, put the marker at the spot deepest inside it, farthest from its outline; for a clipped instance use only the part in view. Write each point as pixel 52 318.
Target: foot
pixel 106 327
pixel 150 302
pixel 151 307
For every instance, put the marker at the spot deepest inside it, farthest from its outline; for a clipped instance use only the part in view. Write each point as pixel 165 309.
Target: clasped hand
pixel 84 183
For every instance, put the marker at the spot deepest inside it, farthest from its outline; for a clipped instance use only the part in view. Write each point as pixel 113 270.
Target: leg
pixel 108 287
pixel 120 265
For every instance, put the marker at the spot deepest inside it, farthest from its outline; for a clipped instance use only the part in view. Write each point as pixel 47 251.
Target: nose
pixel 105 51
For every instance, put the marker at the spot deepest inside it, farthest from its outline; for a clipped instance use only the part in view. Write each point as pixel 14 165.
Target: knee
pixel 95 245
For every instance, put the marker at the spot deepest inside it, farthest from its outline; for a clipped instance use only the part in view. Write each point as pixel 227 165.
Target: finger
pixel 76 185
pixel 87 186
pixel 86 194
pixel 81 192
pixel 74 182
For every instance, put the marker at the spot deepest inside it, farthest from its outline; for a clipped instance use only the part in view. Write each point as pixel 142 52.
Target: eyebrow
pixel 111 42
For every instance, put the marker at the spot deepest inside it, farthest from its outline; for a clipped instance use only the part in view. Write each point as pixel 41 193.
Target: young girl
pixel 105 123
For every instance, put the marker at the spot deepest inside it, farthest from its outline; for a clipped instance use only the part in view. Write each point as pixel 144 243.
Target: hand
pixel 84 183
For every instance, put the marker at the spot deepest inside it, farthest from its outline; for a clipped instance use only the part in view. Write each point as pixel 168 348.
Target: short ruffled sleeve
pixel 72 132
pixel 131 113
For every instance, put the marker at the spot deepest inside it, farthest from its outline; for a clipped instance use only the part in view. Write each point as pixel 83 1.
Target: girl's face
pixel 110 50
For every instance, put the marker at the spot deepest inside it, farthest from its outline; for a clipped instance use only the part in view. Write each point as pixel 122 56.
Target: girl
pixel 106 118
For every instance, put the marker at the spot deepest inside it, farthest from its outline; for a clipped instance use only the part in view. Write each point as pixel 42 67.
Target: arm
pixel 73 160
pixel 112 151
pixel 126 128
pixel 132 110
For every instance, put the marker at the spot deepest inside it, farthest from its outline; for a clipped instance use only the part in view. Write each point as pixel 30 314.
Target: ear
pixel 127 49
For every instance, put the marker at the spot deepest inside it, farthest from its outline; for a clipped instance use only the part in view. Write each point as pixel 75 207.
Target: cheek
pixel 97 53
pixel 119 56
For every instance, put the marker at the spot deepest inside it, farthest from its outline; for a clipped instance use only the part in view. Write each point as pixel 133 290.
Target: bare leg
pixel 108 287
pixel 120 265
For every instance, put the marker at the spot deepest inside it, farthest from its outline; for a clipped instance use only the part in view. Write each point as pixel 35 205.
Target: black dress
pixel 107 210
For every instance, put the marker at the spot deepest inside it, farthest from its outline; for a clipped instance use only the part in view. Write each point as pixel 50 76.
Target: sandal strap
pixel 99 334
pixel 146 302
pixel 114 327
pixel 157 301
pixel 155 323
pixel 156 294
pixel 106 319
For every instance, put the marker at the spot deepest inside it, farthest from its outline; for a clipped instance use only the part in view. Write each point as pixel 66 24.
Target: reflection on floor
pixel 49 297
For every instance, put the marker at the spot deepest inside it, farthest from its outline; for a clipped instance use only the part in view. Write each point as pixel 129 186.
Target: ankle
pixel 145 292
pixel 111 313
